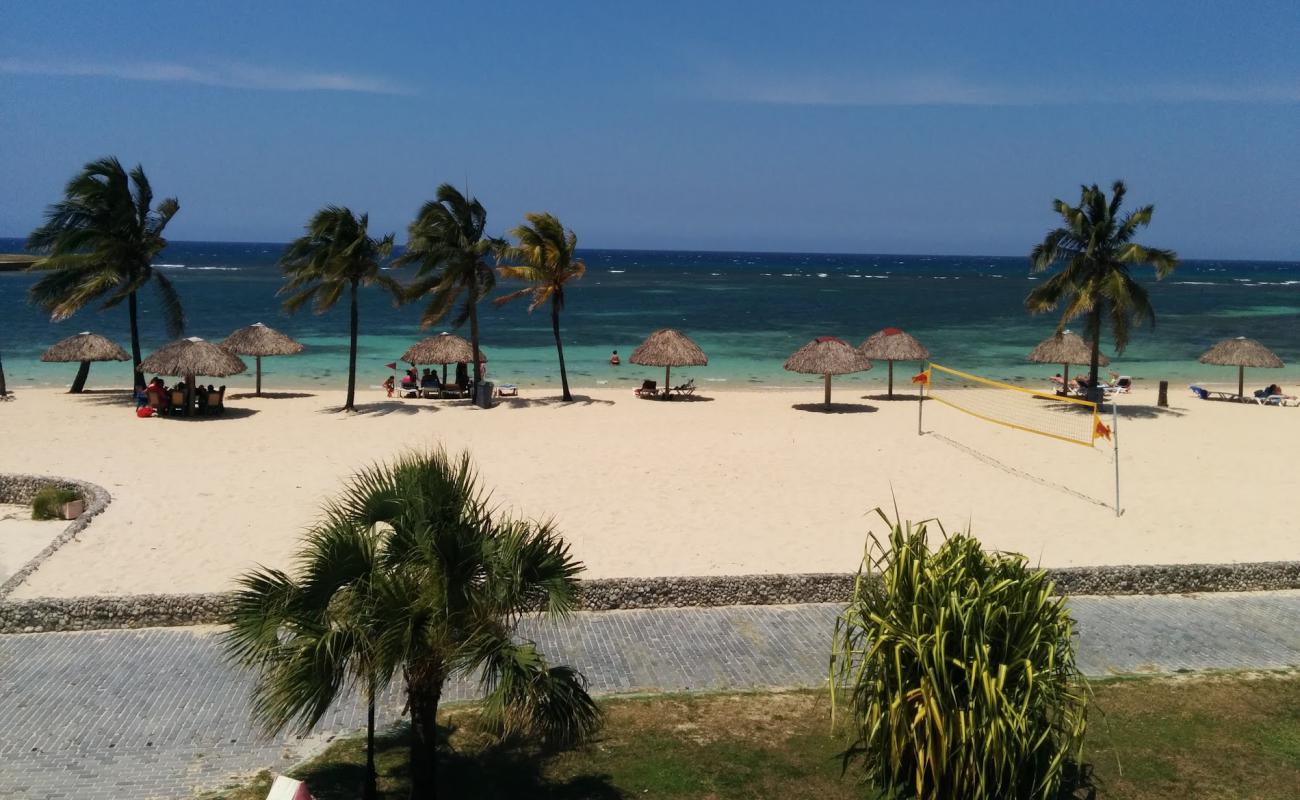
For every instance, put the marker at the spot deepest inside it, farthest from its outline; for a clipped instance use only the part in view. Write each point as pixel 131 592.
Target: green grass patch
pixel 48 503
pixel 1223 736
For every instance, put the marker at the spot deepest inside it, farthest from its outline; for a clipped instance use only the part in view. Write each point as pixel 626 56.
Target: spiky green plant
pixel 100 241
pixel 412 576
pixel 1095 248
pixel 956 671
pixel 544 258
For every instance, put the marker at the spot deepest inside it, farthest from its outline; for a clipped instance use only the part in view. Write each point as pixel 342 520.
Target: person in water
pixel 614 360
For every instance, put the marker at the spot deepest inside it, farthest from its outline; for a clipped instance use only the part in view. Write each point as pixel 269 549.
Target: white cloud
pixel 731 85
pixel 235 76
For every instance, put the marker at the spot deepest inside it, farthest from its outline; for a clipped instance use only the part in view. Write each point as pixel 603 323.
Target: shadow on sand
pixel 383 408
pixel 836 408
pixel 896 397
pixel 269 395
pixel 231 412
pixel 528 402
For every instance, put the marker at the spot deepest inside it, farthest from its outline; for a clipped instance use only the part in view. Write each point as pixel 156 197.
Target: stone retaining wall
pixel 20 489
pixel 153 610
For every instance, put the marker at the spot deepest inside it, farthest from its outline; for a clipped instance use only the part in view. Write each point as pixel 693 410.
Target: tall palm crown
pixel 336 255
pixel 545 258
pixel 100 241
pixel 413 576
pixel 447 243
pixel 1096 250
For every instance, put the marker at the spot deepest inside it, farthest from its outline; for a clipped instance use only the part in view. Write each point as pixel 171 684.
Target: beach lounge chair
pixel 430 389
pixel 686 389
pixel 454 390
pixel 1210 394
pixel 648 389
pixel 507 390
pixel 217 401
pixel 1264 399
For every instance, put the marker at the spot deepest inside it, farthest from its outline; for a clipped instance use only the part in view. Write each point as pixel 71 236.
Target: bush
pixel 957 670
pixel 48 502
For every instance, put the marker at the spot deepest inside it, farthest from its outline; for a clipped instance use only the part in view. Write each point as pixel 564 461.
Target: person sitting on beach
pixel 614 360
pixel 155 391
pixel 201 396
pixel 1058 381
pixel 389 383
pixel 1274 390
pixel 462 375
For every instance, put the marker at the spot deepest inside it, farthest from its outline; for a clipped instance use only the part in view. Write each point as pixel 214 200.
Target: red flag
pixel 1102 431
pixel 391 365
pixel 923 378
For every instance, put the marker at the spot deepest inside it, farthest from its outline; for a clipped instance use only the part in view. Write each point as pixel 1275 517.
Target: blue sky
pixel 849 127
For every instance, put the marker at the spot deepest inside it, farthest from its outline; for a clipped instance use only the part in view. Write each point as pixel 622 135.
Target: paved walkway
pixel 158 713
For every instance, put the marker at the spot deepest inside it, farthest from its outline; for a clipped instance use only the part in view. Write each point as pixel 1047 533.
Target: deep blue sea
pixel 748 311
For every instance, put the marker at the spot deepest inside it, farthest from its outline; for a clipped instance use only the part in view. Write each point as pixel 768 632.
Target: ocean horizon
pixel 747 310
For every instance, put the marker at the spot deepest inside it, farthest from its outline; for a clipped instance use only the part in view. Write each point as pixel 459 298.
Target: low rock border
pixel 20 489
pixel 607 594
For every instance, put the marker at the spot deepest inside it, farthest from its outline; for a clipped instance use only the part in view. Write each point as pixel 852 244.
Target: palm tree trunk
pixel 1095 393
pixel 369 789
pixel 473 328
pixel 134 314
pixel 559 348
pixel 423 764
pixel 79 382
pixel 3 390
pixel 352 355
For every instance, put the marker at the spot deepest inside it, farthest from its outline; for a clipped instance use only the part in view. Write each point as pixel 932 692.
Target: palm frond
pixel 173 311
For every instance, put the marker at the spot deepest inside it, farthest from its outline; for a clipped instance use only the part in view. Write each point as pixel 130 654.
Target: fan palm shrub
pixel 544 258
pixel 1096 250
pixel 412 576
pixel 452 253
pixel 956 670
pixel 100 241
pixel 336 255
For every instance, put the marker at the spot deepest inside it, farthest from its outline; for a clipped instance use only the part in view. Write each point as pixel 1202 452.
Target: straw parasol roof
pixel 1241 352
pixel 667 347
pixel 1065 348
pixel 827 355
pixel 445 348
pixel 892 344
pixel 193 356
pixel 85 346
pixel 259 340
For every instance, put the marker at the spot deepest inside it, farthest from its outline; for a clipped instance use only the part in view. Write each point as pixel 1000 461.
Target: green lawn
pixel 1234 736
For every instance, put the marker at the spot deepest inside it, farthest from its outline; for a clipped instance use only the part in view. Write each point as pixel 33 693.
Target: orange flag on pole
pixel 922 378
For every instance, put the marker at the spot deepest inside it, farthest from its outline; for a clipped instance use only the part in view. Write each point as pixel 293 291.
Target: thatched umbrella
pixel 258 340
pixel 84 347
pixel 1241 353
pixel 669 348
pixel 892 344
pixel 191 357
pixel 827 356
pixel 445 348
pixel 1065 348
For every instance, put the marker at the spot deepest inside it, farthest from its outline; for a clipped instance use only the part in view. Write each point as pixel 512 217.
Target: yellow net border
pixel 1094 425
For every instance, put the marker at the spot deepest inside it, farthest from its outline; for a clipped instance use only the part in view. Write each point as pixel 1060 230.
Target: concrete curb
pixel 606 594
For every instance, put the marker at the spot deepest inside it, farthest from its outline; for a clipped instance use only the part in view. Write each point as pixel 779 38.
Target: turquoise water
pixel 748 311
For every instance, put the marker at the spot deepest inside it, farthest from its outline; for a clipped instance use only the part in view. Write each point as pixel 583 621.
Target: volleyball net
pixel 1069 419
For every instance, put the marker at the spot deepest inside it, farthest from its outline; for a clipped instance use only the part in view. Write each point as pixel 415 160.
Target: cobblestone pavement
pixel 158 713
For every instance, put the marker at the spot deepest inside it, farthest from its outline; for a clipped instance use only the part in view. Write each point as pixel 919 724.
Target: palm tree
pixel 446 240
pixel 1096 247
pixel 412 576
pixel 101 240
pixel 4 391
pixel 545 255
pixel 307 636
pixel 336 255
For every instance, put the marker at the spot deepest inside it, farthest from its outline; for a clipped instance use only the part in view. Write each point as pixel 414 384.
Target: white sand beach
pixel 741 482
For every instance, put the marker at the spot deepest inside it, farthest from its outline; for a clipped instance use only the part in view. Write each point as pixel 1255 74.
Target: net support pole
pixel 920 401
pixel 1114 438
